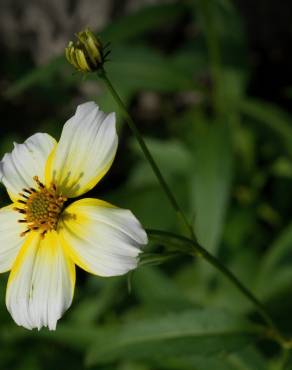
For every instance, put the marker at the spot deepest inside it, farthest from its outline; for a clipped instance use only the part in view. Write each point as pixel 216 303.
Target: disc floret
pixel 41 207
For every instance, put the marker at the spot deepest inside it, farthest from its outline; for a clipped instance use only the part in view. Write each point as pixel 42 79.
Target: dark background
pixel 209 85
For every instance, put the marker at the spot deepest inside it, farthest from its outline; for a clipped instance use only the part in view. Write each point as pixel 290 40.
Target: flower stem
pixel 102 74
pixel 199 251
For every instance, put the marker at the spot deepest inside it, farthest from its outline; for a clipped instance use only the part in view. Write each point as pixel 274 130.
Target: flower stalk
pixel 102 74
pixel 93 58
pixel 196 248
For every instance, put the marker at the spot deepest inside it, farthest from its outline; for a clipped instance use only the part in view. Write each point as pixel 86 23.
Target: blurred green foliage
pixel 227 158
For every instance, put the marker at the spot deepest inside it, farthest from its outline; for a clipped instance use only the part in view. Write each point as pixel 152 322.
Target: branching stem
pixel 196 249
pixel 102 74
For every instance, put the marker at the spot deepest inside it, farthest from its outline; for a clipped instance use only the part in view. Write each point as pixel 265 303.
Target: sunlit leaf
pixel 247 359
pixel 172 156
pixel 201 332
pixel 211 174
pixel 144 20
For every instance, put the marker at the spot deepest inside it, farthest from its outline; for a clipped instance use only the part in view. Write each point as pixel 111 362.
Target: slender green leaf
pixel 143 68
pixel 203 332
pixel 247 359
pixel 211 175
pixel 142 21
pixel 152 259
pixel 38 75
pixel 131 68
pixel 172 156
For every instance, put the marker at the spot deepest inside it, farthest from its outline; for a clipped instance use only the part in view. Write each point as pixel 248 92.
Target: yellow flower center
pixel 41 207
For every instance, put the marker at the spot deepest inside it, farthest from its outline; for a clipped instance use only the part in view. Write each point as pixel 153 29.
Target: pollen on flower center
pixel 41 207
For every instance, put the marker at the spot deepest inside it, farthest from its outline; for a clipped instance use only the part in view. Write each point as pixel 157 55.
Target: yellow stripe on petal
pixel 85 152
pixel 51 242
pixel 80 205
pixel 100 238
pixel 75 256
pixel 30 243
pixel 41 282
pixel 48 168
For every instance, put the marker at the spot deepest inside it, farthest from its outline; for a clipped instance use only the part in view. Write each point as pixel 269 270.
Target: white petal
pixel 101 238
pixel 85 151
pixel 10 239
pixel 26 161
pixel 41 282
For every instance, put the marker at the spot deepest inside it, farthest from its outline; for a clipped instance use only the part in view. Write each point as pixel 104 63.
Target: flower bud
pixel 87 53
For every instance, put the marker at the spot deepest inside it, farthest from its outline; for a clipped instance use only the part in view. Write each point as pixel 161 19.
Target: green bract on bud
pixel 87 54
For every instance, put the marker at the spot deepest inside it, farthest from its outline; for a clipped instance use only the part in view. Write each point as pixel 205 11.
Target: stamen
pixel 19 210
pixel 42 207
pixel 27 191
pixel 40 184
pixel 24 232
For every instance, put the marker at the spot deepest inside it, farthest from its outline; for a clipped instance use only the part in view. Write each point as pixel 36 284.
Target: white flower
pixel 41 240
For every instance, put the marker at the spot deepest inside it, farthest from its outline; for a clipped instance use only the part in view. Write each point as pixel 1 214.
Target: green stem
pixel 198 250
pixel 102 74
